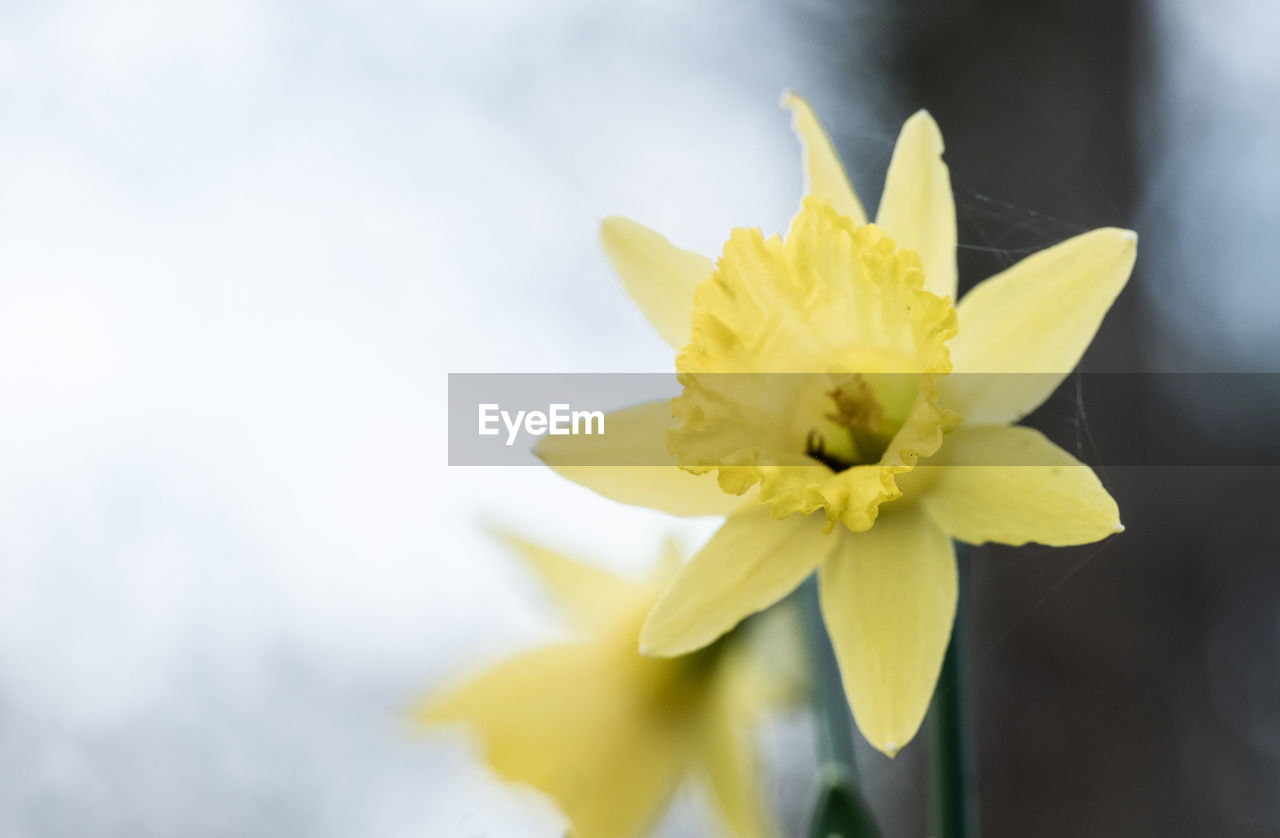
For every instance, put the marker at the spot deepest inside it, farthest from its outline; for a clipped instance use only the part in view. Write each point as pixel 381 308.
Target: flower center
pixel 862 413
pixel 810 368
pixel 676 684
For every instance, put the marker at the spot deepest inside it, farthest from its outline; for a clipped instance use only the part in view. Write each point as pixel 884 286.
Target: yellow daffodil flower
pixel 899 426
pixel 608 734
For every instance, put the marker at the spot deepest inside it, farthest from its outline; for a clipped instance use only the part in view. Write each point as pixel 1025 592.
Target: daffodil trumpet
pixel 868 478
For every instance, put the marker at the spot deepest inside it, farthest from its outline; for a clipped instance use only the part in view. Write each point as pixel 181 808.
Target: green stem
pixel 840 810
pixel 954 803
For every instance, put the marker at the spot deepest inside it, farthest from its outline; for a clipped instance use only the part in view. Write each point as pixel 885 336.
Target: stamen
pixel 815 447
pixel 857 431
pixel 856 405
pixel 814 444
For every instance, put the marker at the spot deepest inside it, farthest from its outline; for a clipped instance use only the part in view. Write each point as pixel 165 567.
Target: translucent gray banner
pixel 1110 419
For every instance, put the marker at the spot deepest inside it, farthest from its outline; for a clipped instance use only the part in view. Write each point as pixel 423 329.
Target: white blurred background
pixel 241 246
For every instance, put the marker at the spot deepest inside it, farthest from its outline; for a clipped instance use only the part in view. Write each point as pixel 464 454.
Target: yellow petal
pixel 589 594
pixel 570 721
pixel 659 276
pixel 731 766
pixel 1026 328
pixel 888 599
pixel 636 435
pixel 753 561
pixel 824 175
pixel 1040 493
pixel 917 208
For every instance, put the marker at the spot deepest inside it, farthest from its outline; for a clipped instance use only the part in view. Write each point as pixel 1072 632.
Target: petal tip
pixel 611 226
pixel 426 712
pixel 651 646
pixel 654 650
pixel 925 119
pixel 1127 238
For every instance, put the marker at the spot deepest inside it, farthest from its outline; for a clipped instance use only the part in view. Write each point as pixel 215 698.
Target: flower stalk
pixel 954 802
pixel 840 809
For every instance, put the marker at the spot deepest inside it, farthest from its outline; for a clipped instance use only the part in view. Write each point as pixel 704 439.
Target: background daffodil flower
pixel 607 733
pixel 861 309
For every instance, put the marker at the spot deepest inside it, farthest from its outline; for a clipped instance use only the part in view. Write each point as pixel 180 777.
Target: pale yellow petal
pixel 670 560
pixel 731 766
pixel 1023 330
pixel 1011 485
pixel 824 174
pixel 917 208
pixel 569 721
pixel 590 595
pixel 612 464
pixel 889 599
pixel 659 276
pixel 753 561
